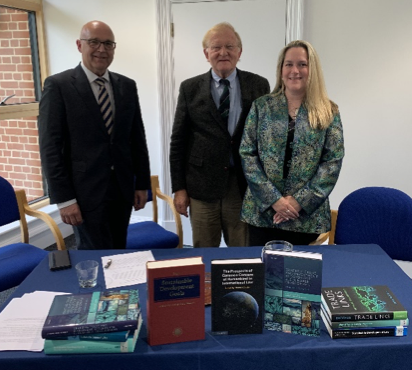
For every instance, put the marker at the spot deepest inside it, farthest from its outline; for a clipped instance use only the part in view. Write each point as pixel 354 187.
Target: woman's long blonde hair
pixel 320 108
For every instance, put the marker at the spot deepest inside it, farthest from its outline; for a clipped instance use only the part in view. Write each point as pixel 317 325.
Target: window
pixel 22 71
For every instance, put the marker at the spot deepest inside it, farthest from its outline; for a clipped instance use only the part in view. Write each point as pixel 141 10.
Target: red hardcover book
pixel 175 300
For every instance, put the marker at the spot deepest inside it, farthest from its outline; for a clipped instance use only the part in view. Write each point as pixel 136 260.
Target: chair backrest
pixel 377 215
pixel 14 207
pixel 9 210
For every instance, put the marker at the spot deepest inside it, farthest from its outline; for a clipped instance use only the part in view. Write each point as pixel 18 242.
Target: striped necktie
pixel 224 103
pixel 105 104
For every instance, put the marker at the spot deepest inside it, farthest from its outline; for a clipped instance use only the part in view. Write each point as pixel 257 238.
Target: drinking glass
pixel 87 273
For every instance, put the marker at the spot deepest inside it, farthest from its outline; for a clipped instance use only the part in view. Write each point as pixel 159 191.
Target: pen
pixel 108 263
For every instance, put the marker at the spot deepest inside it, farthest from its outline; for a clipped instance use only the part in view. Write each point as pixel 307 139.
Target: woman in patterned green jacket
pixel 292 151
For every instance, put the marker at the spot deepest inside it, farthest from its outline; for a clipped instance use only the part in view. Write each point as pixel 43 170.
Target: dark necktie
pixel 105 105
pixel 224 103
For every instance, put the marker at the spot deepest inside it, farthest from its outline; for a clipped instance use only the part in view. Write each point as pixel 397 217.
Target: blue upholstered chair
pixel 19 259
pixel 377 215
pixel 149 234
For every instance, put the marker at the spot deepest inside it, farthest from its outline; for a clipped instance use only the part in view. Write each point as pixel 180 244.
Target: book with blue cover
pixel 293 282
pixel 61 347
pixel 114 336
pixel 95 312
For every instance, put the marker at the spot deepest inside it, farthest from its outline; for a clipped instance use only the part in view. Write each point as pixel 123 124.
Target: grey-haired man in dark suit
pixel 93 145
pixel 204 153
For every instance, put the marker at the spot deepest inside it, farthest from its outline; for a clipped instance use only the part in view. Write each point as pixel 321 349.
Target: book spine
pixel 60 347
pixel 396 315
pixel 65 331
pixel 368 324
pixel 116 336
pixel 397 331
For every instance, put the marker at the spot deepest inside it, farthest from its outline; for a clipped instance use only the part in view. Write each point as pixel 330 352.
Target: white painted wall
pixel 365 48
pixel 366 51
pixel 134 25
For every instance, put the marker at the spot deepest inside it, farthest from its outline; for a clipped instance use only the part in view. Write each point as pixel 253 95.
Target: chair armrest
pixel 25 209
pixel 168 199
pixel 334 217
pixel 321 239
pixel 330 234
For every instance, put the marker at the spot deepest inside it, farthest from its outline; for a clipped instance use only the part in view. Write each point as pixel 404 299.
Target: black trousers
pixel 259 236
pixel 106 226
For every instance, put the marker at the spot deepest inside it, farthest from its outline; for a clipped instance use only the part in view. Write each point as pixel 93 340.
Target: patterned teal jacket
pixel 316 162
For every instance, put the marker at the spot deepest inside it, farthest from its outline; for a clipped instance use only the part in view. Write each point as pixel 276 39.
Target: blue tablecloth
pixel 343 265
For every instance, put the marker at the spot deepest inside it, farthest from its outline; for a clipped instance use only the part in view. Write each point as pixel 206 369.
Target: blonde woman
pixel 291 150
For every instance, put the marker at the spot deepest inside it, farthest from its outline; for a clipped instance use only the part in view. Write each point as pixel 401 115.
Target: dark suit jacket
pixel 201 145
pixel 76 151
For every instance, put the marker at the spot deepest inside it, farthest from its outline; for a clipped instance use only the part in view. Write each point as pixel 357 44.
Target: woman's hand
pixel 286 208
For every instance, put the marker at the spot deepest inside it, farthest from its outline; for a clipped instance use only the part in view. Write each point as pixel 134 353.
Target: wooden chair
pixel 19 259
pixel 330 234
pixel 151 235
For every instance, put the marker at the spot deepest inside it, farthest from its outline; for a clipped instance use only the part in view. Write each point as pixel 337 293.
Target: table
pixel 343 265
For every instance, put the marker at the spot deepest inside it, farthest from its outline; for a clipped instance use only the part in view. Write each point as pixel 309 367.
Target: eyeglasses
pixel 95 44
pixel 217 48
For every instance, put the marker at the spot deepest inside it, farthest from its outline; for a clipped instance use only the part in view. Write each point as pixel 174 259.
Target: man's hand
pixel 140 199
pixel 181 201
pixel 71 215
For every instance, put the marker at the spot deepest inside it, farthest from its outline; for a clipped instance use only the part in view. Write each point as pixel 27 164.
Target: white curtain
pixel 294 20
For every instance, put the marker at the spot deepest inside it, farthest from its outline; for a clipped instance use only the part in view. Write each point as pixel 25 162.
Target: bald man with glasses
pixel 93 145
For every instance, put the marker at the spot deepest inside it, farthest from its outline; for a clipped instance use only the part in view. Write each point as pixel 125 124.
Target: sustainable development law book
pixel 175 300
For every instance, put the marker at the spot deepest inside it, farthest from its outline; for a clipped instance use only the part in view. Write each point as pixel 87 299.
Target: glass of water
pixel 87 273
pixel 279 245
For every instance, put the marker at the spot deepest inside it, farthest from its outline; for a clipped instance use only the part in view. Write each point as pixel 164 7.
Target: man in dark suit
pixel 93 145
pixel 204 153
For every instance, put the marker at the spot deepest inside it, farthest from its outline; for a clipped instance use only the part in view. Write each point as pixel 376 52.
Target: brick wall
pixel 19 144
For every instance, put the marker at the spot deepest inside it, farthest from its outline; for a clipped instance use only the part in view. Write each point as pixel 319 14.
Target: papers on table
pixel 22 320
pixel 126 269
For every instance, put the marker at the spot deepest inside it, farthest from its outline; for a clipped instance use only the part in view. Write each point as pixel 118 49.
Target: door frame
pixel 165 72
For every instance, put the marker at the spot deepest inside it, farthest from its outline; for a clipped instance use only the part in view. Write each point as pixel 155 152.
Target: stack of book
pixel 96 322
pixel 363 311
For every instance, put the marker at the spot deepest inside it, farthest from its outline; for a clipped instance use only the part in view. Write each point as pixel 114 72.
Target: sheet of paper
pixel 126 269
pixel 22 320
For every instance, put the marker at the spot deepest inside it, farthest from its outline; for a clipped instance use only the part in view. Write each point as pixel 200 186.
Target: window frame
pixel 12 111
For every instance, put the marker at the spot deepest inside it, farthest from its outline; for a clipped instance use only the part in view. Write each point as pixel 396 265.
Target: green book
pixel 373 331
pixel 115 336
pixel 65 346
pixel 362 303
pixel 362 324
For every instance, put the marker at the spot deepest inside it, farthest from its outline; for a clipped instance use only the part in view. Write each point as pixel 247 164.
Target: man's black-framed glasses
pixel 95 44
